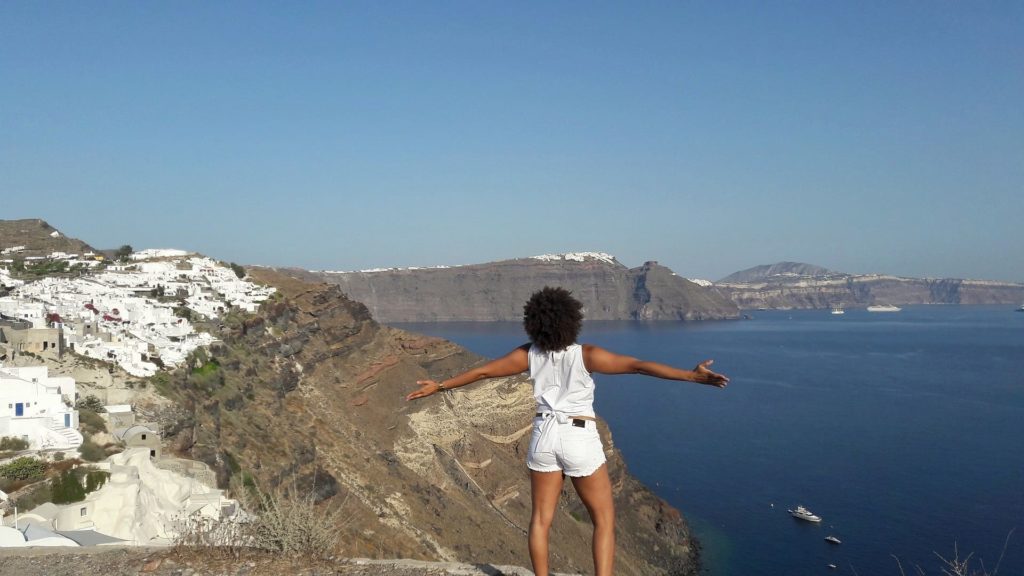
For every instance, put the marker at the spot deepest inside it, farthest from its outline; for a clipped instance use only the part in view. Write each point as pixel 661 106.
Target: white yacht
pixel 1021 309
pixel 884 308
pixel 832 539
pixel 838 309
pixel 804 514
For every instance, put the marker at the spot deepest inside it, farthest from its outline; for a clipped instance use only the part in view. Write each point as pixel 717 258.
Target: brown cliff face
pixel 496 291
pixel 311 391
pixel 662 295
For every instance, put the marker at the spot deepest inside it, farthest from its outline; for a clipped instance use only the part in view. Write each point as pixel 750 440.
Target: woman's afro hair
pixel 552 318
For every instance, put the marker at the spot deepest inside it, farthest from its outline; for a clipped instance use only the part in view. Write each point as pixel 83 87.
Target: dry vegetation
pixel 966 566
pixel 283 522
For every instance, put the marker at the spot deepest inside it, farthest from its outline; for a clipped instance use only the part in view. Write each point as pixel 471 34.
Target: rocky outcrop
pixel 794 285
pixel 496 291
pixel 310 393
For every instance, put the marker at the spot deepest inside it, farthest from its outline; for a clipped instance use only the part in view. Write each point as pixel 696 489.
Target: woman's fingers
pixel 713 378
pixel 423 391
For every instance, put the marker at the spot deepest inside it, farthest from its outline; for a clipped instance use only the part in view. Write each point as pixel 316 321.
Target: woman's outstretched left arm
pixel 602 361
pixel 515 362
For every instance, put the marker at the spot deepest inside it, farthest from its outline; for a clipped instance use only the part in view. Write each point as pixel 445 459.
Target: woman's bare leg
pixel 545 488
pixel 596 493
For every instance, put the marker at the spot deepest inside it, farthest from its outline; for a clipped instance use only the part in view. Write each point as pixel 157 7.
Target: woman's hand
pixel 706 376
pixel 427 388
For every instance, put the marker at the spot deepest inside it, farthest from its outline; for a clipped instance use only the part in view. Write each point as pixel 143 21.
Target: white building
pixel 34 312
pixel 7 280
pixel 38 408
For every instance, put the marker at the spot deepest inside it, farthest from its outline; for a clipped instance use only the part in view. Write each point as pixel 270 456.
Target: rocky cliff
pixel 310 391
pixel 795 285
pixel 496 291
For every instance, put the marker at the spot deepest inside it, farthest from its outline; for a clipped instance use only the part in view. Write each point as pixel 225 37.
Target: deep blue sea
pixel 903 431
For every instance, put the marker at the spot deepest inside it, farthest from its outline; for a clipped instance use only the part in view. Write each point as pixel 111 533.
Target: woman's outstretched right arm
pixel 515 362
pixel 602 361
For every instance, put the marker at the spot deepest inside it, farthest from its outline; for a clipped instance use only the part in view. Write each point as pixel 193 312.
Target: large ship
pixel 804 514
pixel 884 308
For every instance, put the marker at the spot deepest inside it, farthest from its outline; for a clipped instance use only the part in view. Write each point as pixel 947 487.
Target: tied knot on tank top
pixel 549 430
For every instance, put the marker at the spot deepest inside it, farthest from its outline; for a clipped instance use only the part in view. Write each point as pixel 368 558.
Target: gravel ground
pixel 169 562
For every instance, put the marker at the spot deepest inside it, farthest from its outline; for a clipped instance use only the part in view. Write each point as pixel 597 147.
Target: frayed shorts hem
pixel 574 473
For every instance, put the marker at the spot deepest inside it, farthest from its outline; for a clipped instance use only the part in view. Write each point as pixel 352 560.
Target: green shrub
pixel 162 382
pixel 90 421
pixel 67 489
pixel 95 479
pixel 210 367
pixel 23 468
pixel 91 403
pixel 10 443
pixel 124 252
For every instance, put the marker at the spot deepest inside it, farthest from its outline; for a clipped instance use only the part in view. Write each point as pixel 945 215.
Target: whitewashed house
pixel 37 408
pixel 34 312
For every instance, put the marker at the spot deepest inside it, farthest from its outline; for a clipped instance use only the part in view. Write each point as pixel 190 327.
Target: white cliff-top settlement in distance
pixel 126 314
pixel 567 256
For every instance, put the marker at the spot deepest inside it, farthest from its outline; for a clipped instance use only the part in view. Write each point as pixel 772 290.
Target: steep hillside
pixel 793 285
pixel 496 291
pixel 311 391
pixel 38 239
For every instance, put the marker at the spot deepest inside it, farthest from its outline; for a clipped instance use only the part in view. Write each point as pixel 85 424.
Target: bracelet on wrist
pixel 440 387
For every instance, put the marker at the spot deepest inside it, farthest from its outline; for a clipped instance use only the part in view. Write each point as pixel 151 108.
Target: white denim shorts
pixel 578 452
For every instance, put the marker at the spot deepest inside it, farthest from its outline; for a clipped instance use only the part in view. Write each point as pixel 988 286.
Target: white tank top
pixel 561 382
pixel 563 388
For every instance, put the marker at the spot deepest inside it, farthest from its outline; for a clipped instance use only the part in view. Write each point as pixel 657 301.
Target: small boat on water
pixel 838 309
pixel 804 514
pixel 832 539
pixel 884 308
pixel 831 566
pixel 1021 309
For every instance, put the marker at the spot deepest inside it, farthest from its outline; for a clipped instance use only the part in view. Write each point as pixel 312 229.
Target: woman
pixel 565 441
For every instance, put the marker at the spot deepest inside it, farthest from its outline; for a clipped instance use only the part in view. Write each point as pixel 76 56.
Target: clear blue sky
pixel 710 136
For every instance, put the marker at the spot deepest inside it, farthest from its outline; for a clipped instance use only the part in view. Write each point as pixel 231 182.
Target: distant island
pixel 800 285
pixel 495 291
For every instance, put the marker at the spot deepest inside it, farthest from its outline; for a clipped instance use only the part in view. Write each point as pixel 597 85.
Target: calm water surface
pixel 904 432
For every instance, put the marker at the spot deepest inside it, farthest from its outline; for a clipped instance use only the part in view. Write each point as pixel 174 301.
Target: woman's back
pixel 561 381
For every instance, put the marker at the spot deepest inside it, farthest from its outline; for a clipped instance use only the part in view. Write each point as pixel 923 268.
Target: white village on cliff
pixel 133 314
